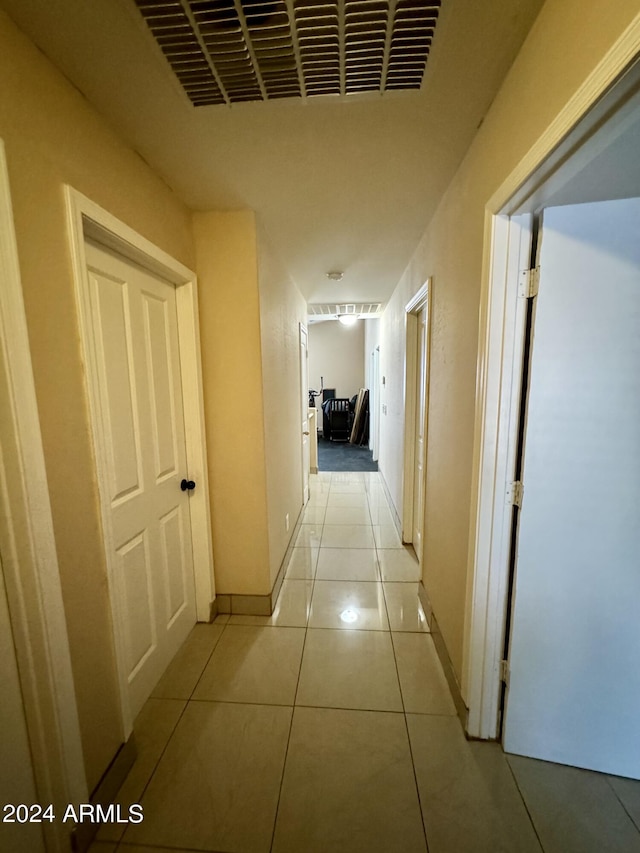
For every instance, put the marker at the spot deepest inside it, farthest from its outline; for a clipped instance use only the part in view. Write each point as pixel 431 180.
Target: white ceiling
pixel 337 183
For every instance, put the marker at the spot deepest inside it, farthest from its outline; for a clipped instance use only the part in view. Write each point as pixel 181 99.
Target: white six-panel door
pixel 135 337
pixel 574 692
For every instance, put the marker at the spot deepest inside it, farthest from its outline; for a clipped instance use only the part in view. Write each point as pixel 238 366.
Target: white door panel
pixel 574 693
pixel 117 392
pixel 136 344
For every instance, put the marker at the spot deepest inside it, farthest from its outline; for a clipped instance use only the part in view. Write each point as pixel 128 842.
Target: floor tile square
pixel 347 488
pixel 399 565
pixel 318 498
pixel 349 669
pixel 320 482
pixel 348 605
pixel 347 515
pixel 253 664
pixel 348 564
pixel 308 536
pixel 344 536
pixel 628 792
pixel 291 609
pixel 404 607
pixel 355 501
pixel 182 674
pixel 348 785
pixel 377 495
pixel 574 811
pixel 380 514
pixel 387 536
pixel 469 799
pixel 302 564
pixel 347 477
pixel 424 686
pixel 216 787
pixel 152 727
pixel 314 514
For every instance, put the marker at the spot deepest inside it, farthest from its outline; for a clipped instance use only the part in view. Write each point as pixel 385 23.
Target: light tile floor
pixel 329 727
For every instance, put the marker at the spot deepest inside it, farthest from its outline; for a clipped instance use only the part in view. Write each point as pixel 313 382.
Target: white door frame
pixel 374 399
pixel 304 407
pixel 87 219
pixel 412 309
pixel 497 391
pixel 29 558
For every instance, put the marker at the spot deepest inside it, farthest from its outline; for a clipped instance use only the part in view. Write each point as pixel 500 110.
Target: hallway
pixel 297 733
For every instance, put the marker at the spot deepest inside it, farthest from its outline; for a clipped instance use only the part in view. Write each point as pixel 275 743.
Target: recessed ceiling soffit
pixel 228 51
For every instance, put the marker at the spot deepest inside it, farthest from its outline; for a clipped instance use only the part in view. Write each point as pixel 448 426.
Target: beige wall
pixel 282 309
pixel 250 313
pixel 53 137
pixel 227 267
pixel 336 352
pixel 566 42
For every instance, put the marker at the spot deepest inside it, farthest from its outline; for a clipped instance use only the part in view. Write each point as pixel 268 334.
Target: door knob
pixel 305 433
pixel 187 485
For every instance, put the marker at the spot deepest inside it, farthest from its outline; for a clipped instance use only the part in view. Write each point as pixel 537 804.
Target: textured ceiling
pixel 229 51
pixel 338 182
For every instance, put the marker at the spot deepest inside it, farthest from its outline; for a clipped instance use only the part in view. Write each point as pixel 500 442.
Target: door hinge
pixel 504 671
pixel 515 491
pixel 529 283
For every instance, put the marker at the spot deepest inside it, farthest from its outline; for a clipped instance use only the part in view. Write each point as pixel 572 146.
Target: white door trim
pixel 29 557
pixel 87 219
pixel 374 397
pixel 412 309
pixel 497 430
pixel 495 397
pixel 304 383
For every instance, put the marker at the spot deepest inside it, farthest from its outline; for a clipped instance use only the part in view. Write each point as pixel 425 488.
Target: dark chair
pixel 337 421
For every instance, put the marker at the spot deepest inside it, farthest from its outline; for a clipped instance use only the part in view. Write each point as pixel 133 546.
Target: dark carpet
pixel 342 456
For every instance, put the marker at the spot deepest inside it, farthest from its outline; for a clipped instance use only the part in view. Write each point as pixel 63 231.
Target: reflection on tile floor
pixel 329 726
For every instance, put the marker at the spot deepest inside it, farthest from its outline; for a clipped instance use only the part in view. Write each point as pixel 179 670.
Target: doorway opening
pixel 558 460
pixel 417 312
pixel 341 364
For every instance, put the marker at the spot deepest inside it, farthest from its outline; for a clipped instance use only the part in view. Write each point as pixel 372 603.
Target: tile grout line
pixel 616 795
pixel 406 726
pixel 524 803
pixel 295 695
pixel 406 722
pixel 173 729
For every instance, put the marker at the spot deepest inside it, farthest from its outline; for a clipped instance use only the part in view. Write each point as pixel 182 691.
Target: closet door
pixel 135 331
pixel 574 692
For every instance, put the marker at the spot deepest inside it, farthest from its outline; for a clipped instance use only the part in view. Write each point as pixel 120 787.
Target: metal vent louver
pixel 331 310
pixel 227 51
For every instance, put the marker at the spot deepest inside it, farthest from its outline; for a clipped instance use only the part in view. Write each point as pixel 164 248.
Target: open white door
pixel 574 691
pixel 304 411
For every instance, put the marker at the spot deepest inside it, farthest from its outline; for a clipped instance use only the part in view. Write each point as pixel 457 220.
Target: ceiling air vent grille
pixel 332 310
pixel 228 51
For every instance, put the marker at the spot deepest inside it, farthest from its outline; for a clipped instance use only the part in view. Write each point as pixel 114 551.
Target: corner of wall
pixel 227 267
pixel 282 310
